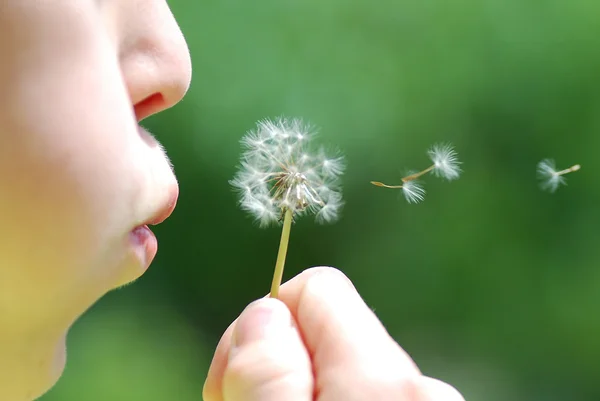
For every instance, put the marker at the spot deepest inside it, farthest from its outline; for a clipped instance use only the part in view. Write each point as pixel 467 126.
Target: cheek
pixel 72 173
pixel 67 215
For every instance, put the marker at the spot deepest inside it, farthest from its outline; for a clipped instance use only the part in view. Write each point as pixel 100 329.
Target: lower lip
pixel 144 245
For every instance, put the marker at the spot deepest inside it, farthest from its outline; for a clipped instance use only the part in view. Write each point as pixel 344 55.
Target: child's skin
pixel 78 178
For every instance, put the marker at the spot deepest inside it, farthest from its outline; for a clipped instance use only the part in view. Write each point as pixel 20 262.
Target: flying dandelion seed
pixel 550 177
pixel 445 165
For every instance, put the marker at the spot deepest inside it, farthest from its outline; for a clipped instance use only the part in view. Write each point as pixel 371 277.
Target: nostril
pixel 150 105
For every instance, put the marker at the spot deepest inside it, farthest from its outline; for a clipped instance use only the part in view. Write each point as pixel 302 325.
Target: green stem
pixel 283 245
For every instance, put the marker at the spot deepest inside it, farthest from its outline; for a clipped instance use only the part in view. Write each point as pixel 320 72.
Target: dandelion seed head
pixel 547 173
pixel 445 160
pixel 279 172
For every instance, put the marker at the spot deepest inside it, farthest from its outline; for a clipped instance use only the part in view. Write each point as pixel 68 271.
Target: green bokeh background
pixel 490 284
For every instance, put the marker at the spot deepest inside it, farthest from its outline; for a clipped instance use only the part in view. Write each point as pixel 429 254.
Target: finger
pixel 214 379
pixel 436 390
pixel 353 355
pixel 336 323
pixel 267 360
pixel 342 334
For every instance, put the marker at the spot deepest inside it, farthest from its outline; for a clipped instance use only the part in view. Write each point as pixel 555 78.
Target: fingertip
pixel 331 272
pixel 262 319
pixel 437 390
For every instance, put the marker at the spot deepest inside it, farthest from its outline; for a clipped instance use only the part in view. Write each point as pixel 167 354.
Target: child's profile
pixel 79 178
pixel 80 181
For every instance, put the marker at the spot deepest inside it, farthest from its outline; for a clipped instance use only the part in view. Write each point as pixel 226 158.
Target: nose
pixel 154 57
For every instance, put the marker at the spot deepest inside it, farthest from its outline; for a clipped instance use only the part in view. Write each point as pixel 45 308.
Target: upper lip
pixel 166 210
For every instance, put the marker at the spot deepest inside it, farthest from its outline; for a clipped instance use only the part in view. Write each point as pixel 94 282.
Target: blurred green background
pixel 490 284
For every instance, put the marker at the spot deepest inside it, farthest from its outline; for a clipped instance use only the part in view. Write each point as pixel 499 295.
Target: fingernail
pixel 262 319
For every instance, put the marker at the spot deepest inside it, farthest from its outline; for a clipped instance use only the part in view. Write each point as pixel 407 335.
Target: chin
pixel 137 261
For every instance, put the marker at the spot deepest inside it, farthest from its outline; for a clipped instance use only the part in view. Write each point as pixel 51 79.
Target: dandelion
pixel 445 165
pixel 550 178
pixel 280 177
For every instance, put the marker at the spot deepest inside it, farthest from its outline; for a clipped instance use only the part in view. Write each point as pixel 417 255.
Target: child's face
pixel 77 174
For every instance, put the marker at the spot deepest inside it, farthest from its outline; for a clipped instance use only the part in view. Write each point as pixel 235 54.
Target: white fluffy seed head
pixel 413 191
pixel 547 173
pixel 445 161
pixel 279 171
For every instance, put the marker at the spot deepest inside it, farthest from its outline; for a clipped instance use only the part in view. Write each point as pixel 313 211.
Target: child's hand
pixel 321 343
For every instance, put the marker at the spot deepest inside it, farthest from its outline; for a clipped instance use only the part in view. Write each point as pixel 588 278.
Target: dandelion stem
pixel 569 170
pixel 410 178
pixel 381 184
pixel 283 245
pixel 417 175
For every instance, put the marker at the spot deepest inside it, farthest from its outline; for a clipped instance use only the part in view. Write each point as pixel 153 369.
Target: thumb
pixel 267 360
